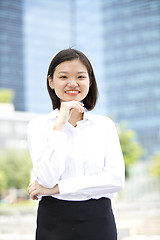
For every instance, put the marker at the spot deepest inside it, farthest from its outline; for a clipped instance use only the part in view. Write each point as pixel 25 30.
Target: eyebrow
pixel 62 72
pixel 82 72
pixel 67 72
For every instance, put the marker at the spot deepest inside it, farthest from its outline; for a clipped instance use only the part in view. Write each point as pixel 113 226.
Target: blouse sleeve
pixel 47 152
pixel 112 177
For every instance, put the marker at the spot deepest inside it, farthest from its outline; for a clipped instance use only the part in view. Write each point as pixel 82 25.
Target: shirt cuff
pixel 108 182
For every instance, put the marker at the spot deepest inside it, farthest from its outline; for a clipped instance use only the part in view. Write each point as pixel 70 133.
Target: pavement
pixel 135 221
pixel 138 220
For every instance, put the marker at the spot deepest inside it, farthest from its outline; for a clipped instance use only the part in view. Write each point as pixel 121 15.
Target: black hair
pixel 68 55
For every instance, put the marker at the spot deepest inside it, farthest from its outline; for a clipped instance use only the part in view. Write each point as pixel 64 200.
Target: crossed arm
pixel 66 109
pixel 35 189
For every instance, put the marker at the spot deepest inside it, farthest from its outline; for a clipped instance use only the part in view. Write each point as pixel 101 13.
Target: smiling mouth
pixel 72 92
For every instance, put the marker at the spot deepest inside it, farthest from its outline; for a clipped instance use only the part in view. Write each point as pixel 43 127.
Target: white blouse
pixel 85 161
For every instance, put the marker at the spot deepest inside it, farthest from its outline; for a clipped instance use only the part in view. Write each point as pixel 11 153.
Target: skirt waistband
pixel 88 208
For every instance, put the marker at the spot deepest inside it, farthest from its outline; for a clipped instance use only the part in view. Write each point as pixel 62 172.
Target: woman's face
pixel 70 81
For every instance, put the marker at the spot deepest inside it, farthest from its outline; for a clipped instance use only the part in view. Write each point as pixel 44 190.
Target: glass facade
pixel 89 38
pixel 54 25
pixel 132 58
pixel 11 50
pixel 121 39
pixel 47 28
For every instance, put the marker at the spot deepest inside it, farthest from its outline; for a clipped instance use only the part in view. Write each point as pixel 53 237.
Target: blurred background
pixel 122 40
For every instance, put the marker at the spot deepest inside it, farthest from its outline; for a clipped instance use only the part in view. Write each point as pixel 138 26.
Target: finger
pixel 31 189
pixel 71 105
pixel 78 106
pixel 31 186
pixel 81 103
pixel 32 183
pixel 78 103
pixel 79 109
pixel 33 194
pixel 34 198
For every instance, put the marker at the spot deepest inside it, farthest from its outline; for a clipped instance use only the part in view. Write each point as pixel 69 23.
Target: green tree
pixel 155 165
pixel 3 181
pixel 6 95
pixel 130 148
pixel 15 168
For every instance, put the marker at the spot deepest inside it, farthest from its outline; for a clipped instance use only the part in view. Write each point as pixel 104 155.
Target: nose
pixel 72 83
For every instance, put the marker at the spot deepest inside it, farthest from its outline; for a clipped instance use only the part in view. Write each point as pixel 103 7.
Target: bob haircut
pixel 68 55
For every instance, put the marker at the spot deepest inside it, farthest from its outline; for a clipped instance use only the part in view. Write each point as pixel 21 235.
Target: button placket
pixel 78 151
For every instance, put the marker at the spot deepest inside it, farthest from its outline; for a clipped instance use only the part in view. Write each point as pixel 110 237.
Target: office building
pixel 132 58
pixel 89 37
pixel 11 50
pixel 47 28
pixel 121 39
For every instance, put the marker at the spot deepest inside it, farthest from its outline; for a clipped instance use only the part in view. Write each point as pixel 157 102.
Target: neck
pixel 75 117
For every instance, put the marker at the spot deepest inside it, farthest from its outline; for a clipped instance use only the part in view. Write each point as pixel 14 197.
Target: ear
pixel 50 81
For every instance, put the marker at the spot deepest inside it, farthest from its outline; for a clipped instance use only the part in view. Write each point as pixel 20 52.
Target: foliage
pixel 15 169
pixel 3 181
pixel 6 95
pixel 155 165
pixel 130 148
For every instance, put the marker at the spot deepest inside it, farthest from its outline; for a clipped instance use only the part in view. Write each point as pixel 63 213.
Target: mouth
pixel 72 92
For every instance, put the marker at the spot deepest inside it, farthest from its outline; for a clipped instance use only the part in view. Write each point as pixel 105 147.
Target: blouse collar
pixel 87 115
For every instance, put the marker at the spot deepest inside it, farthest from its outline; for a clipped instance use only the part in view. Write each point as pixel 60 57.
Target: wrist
pixel 59 124
pixel 58 127
pixel 54 190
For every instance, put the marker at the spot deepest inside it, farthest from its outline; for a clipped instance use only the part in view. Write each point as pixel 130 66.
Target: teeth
pixel 72 91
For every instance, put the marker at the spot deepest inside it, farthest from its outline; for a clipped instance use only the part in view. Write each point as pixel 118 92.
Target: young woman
pixel 77 160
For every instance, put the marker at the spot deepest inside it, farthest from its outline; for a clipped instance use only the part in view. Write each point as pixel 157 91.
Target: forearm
pixel 50 191
pixel 35 189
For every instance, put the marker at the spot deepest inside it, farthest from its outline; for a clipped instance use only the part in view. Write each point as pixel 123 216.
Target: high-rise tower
pixel 47 28
pixel 11 50
pixel 132 59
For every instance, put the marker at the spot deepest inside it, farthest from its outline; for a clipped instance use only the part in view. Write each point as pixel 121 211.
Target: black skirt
pixel 75 220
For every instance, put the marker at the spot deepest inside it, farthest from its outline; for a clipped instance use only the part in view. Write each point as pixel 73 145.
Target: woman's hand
pixel 65 112
pixel 35 189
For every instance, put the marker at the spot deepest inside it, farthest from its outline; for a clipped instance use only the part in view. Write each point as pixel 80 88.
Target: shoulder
pixel 101 119
pixel 105 126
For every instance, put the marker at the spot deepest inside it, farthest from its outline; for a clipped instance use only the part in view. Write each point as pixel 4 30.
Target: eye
pixel 81 77
pixel 63 77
